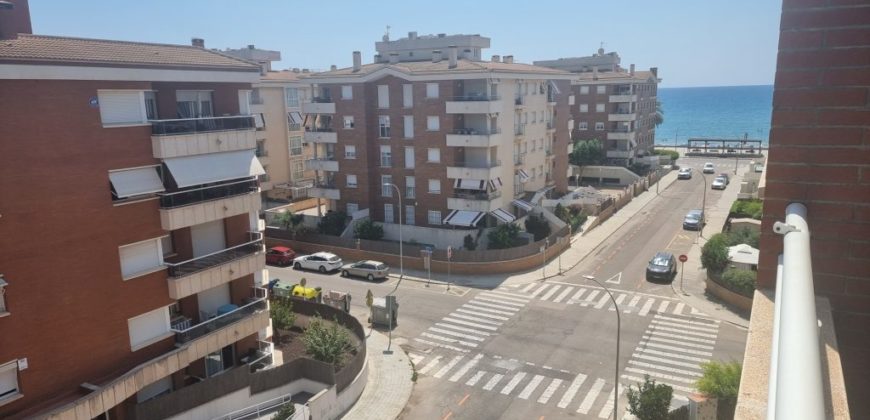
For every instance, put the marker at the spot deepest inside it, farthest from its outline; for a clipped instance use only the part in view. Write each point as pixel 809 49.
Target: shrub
pixel 468 242
pixel 650 401
pixel 747 208
pixel 720 379
pixel 281 311
pixel 285 412
pixel 504 236
pixel 367 229
pixel 673 154
pixel 326 342
pixel 538 226
pixel 744 236
pixel 714 253
pixel 739 281
pixel 332 223
pixel 587 152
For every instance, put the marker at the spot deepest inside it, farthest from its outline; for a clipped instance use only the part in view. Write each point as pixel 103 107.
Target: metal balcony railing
pixel 200 195
pixel 476 97
pixel 477 195
pixel 258 304
pixel 261 358
pixel 478 165
pixel 476 132
pixel 320 129
pixel 322 99
pixel 622 112
pixel 326 184
pixel 796 387
pixel 200 125
pixel 520 129
pixel 194 265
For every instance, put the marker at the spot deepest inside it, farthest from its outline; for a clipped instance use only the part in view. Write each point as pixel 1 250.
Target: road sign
pixel 684 258
pixel 449 252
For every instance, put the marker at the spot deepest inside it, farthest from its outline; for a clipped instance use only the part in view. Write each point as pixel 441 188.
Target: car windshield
pixel 381 267
pixel 334 258
pixel 660 261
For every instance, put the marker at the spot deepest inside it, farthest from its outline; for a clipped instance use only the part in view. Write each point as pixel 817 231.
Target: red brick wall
pixel 820 156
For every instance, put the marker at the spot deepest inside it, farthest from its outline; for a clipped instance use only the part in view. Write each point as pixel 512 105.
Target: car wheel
pixel 370 277
pixel 297 266
pixel 344 273
pixel 322 269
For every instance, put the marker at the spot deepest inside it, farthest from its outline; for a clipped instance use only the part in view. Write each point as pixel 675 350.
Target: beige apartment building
pixel 464 140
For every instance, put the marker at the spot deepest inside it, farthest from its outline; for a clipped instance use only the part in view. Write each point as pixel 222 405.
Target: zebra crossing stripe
pixel 663 306
pixel 470 324
pixel 657 327
pixel 448 340
pixel 468 330
pixel 443 371
pixel 528 287
pixel 608 403
pixel 666 347
pixel 667 368
pixel 713 330
pixel 477 307
pixel 530 388
pixel 576 296
pixel 455 334
pixel 685 389
pixel 416 358
pixel 466 311
pixel 443 346
pixel 660 375
pixel 504 310
pixel 501 300
pixel 633 302
pixel 619 300
pixel 694 321
pixel 551 292
pixel 591 396
pixel 646 307
pixel 551 389
pixel 563 295
pixel 604 301
pixel 513 383
pixel 431 365
pixel 471 318
pixel 679 309
pixel 681 337
pixel 678 342
pixel 509 296
pixel 572 390
pixel 663 360
pixel 492 382
pixel 672 355
pixel 466 367
pixel 539 290
pixel 474 379
pixel 591 296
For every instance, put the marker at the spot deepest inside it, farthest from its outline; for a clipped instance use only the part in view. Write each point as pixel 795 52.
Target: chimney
pixel 197 42
pixel 631 69
pixel 394 58
pixel 595 73
pixel 452 55
pixel 654 71
pixel 412 35
pixel 496 58
pixel 333 67
pixel 14 19
pixel 508 59
pixel 357 61
pixel 436 56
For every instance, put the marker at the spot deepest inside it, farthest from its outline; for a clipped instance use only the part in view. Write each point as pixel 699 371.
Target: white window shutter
pixel 120 107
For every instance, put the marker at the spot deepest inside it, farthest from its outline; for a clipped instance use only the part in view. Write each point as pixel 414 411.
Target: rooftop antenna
pixel 387 34
pixel 601 49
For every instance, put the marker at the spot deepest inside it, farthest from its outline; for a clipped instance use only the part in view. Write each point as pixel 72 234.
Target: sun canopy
pixel 214 167
pixel 139 181
pixel 503 215
pixel 525 205
pixel 463 218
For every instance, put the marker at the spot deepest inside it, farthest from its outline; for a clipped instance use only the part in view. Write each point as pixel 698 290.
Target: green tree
pixel 659 116
pixel 286 411
pixel 367 229
pixel 587 152
pixel 326 341
pixel 650 401
pixel 287 220
pixel 561 212
pixel 332 223
pixel 537 226
pixel 281 311
pixel 504 236
pixel 714 253
pixel 469 243
pixel 720 379
pixel 740 281
pixel 744 236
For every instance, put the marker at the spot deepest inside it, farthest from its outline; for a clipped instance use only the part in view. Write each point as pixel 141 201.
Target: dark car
pixel 694 220
pixel 662 267
pixel 280 255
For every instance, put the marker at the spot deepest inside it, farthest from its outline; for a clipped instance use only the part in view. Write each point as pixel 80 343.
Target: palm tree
pixel 659 116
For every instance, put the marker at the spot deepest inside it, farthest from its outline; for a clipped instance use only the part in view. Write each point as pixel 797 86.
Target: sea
pixel 727 112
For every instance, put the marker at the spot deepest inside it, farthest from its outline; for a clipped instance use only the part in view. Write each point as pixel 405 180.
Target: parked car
pixel 694 220
pixel 280 255
pixel 684 173
pixel 709 168
pixel 321 261
pixel 727 178
pixel 663 266
pixel 759 168
pixel 719 183
pixel 369 269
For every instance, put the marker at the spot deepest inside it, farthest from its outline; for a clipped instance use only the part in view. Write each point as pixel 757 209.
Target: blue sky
pixel 692 42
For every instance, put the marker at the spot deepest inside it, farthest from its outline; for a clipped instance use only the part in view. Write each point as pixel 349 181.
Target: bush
pixel 673 154
pixel 538 226
pixel 573 216
pixel 468 243
pixel 650 401
pixel 504 236
pixel 714 254
pixel 287 220
pixel 326 342
pixel 281 311
pixel 744 236
pixel 333 223
pixel 739 281
pixel 720 379
pixel 747 208
pixel 367 229
pixel 285 412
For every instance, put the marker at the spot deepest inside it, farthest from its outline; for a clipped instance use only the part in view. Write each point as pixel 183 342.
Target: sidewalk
pixel 389 383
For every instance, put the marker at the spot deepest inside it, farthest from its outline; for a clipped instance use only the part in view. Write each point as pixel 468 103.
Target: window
pixel 347 92
pixel 432 123
pixel 409 158
pixel 534 117
pixel 584 90
pixel 352 208
pixel 570 99
pixel 349 152
pixel 348 122
pixel 599 107
pixel 122 107
pixel 384 126
pixel 140 258
pixel 351 181
pixel 582 125
pixel 148 328
pixel 409 215
pixel 296 146
pixel 193 103
pixel 584 107
pixel 386 190
pixel 433 155
pixel 410 187
pixel 600 89
pixel 151 105
pixel 599 126
pixel 388 213
pixel 292 95
pixel 434 186
pixel 386 157
pixel 298 169
pixel 431 90
pixel 407 96
pixel 383 96
pixel 433 217
pixel 408 125
pixel 9 380
pixel 294 121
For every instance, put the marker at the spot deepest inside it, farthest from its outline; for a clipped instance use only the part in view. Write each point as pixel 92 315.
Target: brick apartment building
pixel 820 156
pixel 463 139
pixel 612 105
pixel 131 247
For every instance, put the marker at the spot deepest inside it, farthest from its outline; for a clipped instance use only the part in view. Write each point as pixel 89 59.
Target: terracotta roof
pixel 283 75
pixel 614 75
pixel 443 66
pixel 54 49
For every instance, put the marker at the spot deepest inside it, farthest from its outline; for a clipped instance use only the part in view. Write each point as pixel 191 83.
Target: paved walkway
pixel 389 384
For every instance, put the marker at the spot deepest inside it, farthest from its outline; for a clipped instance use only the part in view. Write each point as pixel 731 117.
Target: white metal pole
pixel 774 348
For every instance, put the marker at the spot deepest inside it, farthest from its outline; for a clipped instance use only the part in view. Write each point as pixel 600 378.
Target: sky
pixel 692 42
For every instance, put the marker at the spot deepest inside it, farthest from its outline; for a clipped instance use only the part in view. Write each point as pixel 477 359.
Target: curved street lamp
pixel 401 264
pixel 618 323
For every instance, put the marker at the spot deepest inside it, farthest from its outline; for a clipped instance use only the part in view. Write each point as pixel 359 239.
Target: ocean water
pixel 726 112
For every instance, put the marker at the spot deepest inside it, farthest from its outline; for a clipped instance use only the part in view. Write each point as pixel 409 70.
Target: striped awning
pixel 525 205
pixel 463 218
pixel 524 176
pixel 470 184
pixel 503 215
pixel 495 184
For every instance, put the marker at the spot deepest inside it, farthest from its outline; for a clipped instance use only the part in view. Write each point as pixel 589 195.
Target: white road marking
pixel 470 324
pixel 576 296
pixel 666 347
pixel 591 296
pixel 615 279
pixel 551 292
pixel 572 390
pixel 608 403
pixel 658 333
pixel 563 294
pixel 590 396
pixel 492 382
pixel 665 368
pixel 502 299
pixel 513 383
pixel 416 358
pixel 476 307
pixel 646 307
pixel 713 329
pixel 663 360
pixel 448 340
pixel 661 375
pixel 466 367
pixel 510 294
pixel 539 290
pixel 685 389
pixel 679 330
pixel 663 306
pixel 619 300
pixel 468 330
pixel 530 388
pixel 714 324
pixel 429 366
pixel 443 371
pixel 443 346
pixel 474 379
pixel 466 311
pixel 456 334
pixel 634 301
pixel 471 318
pixel 679 309
pixel 673 355
pixel 528 287
pixel 551 389
pixel 677 342
pixel 507 310
pixel 604 301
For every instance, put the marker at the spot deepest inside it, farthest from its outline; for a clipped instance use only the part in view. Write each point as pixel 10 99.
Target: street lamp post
pixel 401 264
pixel 703 206
pixel 618 323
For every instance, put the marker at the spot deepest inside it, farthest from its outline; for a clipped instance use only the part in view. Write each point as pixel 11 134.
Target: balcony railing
pixel 214 259
pixel 478 165
pixel 622 92
pixel 326 184
pixel 621 130
pixel 479 195
pixel 476 97
pixel 520 129
pixel 221 321
pixel 519 159
pixel 200 125
pixel 622 112
pixel 320 129
pixel 294 127
pixel 518 100
pixel 322 99
pixel 261 357
pixel 199 195
pixel 475 131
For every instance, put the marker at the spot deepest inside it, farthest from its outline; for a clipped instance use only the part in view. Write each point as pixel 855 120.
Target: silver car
pixel 321 261
pixel 369 269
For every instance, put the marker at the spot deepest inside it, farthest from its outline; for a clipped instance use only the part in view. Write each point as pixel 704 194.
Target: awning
pixel 139 181
pixel 463 218
pixel 214 167
pixel 470 184
pixel 525 205
pixel 554 87
pixel 524 176
pixel 258 121
pixel 503 215
pixel 294 117
pixel 495 184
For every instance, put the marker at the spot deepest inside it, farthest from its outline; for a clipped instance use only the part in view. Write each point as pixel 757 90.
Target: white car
pixel 321 261
pixel 719 183
pixel 709 168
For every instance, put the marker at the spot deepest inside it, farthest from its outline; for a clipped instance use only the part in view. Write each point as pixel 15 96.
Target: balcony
pixel 520 130
pixel 201 205
pixel 328 164
pixel 202 273
pixel 257 305
pixel 475 201
pixel 328 190
pixel 621 116
pixel 319 105
pixel 473 170
pixel 620 154
pixel 519 102
pixel 195 136
pixel 627 97
pixel 474 104
pixel 466 137
pixel 620 135
pixel 551 126
pixel 519 159
pixel 323 135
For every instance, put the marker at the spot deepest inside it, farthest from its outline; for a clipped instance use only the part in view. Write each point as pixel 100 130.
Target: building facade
pixel 132 260
pixel 460 138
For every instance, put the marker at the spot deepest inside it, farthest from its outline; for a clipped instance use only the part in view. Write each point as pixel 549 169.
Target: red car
pixel 280 255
